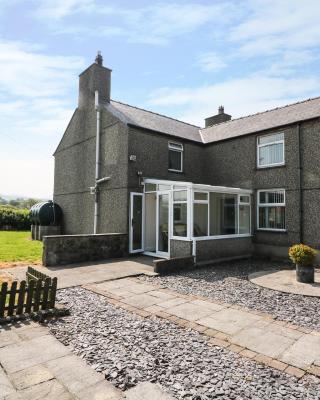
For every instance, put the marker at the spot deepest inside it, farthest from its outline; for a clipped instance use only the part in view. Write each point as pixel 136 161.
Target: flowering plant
pixel 302 254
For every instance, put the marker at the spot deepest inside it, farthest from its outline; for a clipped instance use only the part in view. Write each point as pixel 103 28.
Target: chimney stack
pixel 218 118
pixel 95 77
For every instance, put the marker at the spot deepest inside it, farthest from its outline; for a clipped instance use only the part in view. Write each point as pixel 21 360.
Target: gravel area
pixel 228 282
pixel 129 349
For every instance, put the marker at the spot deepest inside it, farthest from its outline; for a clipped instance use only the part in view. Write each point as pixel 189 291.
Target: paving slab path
pixel 34 365
pixel 253 334
pixel 81 274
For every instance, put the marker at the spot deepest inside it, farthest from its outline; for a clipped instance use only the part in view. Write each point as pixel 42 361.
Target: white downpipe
pixel 97 173
pixel 194 250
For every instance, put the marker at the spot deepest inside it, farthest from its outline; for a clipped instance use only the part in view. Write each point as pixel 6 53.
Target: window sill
pixel 259 168
pixel 271 230
pixel 175 171
pixel 221 237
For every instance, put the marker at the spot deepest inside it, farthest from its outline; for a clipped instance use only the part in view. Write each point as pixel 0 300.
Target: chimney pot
pixel 99 59
pixel 218 118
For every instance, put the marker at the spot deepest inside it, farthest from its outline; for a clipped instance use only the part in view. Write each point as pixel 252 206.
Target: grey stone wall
pixel 151 150
pixel 69 249
pixel 207 250
pixel 180 248
pixel 75 174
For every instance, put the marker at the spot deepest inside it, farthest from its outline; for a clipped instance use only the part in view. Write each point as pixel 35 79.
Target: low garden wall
pixel 223 249
pixel 68 249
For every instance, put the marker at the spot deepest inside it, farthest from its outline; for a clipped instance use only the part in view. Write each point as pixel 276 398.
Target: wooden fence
pixel 38 294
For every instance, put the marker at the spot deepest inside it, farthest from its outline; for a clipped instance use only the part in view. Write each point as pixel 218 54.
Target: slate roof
pixel 280 116
pixel 277 117
pixel 156 122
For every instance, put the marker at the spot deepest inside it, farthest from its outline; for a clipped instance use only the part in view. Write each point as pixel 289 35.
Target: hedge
pixel 14 218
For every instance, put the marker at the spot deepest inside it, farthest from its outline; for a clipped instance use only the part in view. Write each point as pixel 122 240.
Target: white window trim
pixel 270 144
pixel 208 220
pixel 259 205
pixel 172 148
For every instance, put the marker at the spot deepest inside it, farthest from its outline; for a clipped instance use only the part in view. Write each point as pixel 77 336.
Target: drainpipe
pixel 97 173
pixel 301 227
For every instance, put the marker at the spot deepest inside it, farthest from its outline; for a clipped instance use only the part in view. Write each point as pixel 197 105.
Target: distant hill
pixel 18 201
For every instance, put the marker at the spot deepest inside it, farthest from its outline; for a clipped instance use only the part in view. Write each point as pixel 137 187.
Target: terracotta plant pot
pixel 305 273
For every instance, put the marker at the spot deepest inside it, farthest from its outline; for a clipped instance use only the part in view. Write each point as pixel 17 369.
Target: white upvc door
pixel 136 223
pixel 163 224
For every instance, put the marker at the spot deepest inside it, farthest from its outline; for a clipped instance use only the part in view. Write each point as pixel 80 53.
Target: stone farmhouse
pixel 236 187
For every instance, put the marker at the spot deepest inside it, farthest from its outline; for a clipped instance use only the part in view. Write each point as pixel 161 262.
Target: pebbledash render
pixel 237 187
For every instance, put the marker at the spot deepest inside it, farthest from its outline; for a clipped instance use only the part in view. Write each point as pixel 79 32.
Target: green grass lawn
pixel 17 246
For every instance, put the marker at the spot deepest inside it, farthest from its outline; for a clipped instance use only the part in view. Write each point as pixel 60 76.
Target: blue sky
pixel 179 58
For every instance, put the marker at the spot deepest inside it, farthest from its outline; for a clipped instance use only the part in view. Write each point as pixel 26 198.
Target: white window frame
pixel 270 144
pixel 208 214
pixel 187 202
pixel 264 205
pixel 178 148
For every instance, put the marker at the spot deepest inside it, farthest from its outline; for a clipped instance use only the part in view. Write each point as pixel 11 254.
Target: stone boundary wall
pixel 69 249
pixel 171 265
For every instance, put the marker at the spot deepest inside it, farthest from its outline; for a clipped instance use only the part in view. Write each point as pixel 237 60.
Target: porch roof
pixel 198 186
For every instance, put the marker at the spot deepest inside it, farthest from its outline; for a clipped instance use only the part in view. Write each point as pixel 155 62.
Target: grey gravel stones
pixel 129 349
pixel 228 282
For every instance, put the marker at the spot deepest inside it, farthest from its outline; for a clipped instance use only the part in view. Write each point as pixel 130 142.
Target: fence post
pixel 3 297
pixel 22 292
pixel 45 294
pixel 29 296
pixel 53 292
pixel 12 298
pixel 37 296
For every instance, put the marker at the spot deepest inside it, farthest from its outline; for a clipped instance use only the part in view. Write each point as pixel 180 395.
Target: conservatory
pixel 173 218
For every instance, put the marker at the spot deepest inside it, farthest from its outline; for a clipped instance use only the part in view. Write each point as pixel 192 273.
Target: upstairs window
pixel 271 210
pixel 175 157
pixel 270 151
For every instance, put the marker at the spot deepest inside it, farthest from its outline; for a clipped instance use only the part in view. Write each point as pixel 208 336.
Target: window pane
pixel 150 187
pixel 176 146
pixel 244 219
pixel 200 219
pixel 164 187
pixel 244 199
pixel 180 195
pixel 223 214
pixel 271 197
pixel 270 138
pixel 271 154
pixel 272 217
pixel 180 220
pixel 200 196
pixel 175 160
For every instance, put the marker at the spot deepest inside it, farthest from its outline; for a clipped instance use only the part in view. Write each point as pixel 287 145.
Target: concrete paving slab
pixel 73 373
pixel 26 354
pixel 284 331
pixel 229 320
pixel 50 390
pixel 101 391
pixel 13 396
pixel 147 391
pixel 82 274
pixel 30 377
pixel 172 302
pixel 262 341
pixel 141 300
pixel 162 295
pixel 189 311
pixel 285 281
pixel 303 352
pixel 208 304
pixel 8 337
pixel 6 387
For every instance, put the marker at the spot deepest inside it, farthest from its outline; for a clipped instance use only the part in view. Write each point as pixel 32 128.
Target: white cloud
pixel 58 9
pixel 154 24
pixel 239 96
pixel 211 62
pixel 34 112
